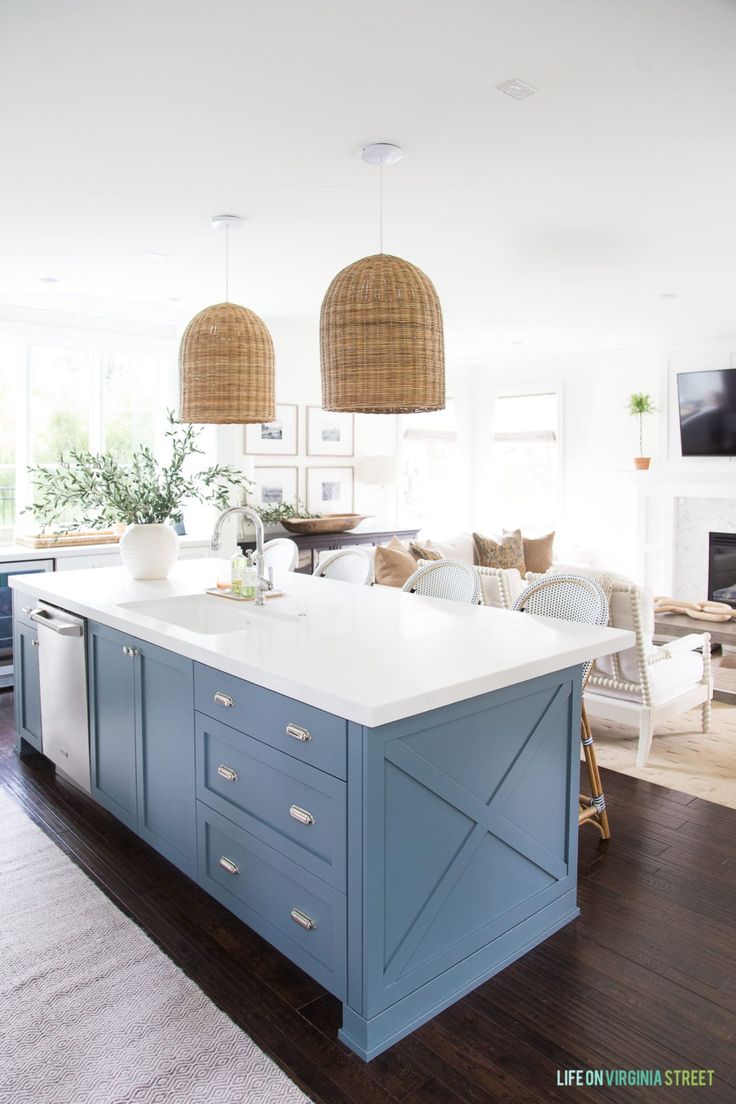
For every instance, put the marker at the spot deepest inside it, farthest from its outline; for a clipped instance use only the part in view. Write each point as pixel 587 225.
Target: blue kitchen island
pixel 385 787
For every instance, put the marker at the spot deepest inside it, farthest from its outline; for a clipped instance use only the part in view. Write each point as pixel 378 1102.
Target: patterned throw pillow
pixel 506 552
pixel 421 552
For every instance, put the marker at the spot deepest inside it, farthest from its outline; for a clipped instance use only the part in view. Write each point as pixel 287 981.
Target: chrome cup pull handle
pixel 302 815
pixel 299 733
pixel 302 919
pixel 227 773
pixel 224 699
pixel 228 865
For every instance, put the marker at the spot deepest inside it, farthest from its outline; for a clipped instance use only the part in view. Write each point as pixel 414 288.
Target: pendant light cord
pixel 227 262
pixel 380 207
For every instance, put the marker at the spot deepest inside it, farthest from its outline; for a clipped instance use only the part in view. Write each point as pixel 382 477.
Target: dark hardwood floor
pixel 645 978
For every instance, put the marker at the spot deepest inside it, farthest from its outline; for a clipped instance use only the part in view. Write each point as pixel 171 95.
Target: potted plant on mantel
pixel 100 491
pixel 639 405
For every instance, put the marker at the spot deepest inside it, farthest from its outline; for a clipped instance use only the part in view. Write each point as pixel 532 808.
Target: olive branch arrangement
pixel 99 490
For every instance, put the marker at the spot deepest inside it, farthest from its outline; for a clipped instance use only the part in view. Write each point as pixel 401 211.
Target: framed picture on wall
pixel 329 433
pixel 274 486
pixel 330 490
pixel 277 438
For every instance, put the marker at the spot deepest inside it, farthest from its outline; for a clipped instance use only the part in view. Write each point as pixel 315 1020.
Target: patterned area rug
pixel 92 1011
pixel 682 757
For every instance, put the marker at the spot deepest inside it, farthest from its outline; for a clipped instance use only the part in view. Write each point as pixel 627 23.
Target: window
pixel 59 381
pixel 433 493
pixel 62 391
pixel 525 472
pixel 129 393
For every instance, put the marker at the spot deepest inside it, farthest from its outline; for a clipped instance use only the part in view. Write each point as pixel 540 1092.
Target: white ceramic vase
pixel 149 551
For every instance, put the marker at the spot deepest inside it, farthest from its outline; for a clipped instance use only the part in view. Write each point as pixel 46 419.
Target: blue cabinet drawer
pixel 298 913
pixel 306 733
pixel 296 809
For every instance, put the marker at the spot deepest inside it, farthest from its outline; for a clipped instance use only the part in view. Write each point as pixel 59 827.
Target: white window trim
pixel 528 389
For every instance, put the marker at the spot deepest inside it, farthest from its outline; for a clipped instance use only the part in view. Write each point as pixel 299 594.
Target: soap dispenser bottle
pixel 249 580
pixel 238 569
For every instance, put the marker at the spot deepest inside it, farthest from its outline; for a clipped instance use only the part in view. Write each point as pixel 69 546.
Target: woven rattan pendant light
pixel 226 363
pixel 381 341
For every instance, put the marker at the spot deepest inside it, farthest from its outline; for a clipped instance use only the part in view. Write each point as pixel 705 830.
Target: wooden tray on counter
pixel 68 540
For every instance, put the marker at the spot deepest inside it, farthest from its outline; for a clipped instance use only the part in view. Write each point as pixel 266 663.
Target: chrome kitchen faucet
pixel 263 583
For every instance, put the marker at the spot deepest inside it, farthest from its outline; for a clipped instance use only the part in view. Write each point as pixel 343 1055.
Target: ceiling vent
pixel 517 89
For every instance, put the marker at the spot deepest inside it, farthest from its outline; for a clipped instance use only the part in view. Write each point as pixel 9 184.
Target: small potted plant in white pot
pixel 98 491
pixel 639 405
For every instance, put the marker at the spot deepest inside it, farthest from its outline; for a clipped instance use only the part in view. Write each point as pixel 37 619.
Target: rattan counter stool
pixel 349 565
pixel 454 580
pixel 575 598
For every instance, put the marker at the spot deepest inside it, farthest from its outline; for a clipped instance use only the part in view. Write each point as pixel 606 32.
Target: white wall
pixel 600 440
pixel 296 345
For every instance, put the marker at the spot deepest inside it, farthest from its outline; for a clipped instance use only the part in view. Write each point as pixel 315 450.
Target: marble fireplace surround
pixel 675 514
pixel 695 518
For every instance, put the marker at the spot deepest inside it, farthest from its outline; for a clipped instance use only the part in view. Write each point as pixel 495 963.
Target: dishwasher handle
pixel 63 628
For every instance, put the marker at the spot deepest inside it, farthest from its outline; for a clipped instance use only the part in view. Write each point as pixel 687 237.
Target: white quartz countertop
pixel 370 654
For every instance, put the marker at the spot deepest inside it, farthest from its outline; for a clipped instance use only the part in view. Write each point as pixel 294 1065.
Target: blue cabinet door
pixel 165 754
pixel 27 686
pixel 112 677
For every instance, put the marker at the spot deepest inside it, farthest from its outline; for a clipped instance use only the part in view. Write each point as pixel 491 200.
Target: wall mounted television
pixel 707 402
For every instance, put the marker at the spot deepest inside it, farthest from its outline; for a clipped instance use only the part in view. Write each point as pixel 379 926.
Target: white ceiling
pixel 556 221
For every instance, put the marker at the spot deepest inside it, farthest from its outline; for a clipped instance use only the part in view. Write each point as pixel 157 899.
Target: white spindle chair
pixel 575 598
pixel 454 580
pixel 349 565
pixel 645 685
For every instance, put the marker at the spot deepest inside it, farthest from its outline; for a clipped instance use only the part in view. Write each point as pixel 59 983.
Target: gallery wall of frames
pixel 304 457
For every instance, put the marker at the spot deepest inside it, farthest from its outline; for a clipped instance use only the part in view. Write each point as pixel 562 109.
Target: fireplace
pixel 722 568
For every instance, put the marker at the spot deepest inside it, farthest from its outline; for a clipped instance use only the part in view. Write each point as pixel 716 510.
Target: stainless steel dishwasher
pixel 62 666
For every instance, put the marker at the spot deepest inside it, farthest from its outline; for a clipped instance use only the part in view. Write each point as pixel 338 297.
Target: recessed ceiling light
pixel 668 295
pixel 49 279
pixel 154 253
pixel 516 89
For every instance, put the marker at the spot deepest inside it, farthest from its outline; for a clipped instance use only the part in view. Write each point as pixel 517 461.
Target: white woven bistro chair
pixel 349 565
pixel 454 580
pixel 281 554
pixel 575 598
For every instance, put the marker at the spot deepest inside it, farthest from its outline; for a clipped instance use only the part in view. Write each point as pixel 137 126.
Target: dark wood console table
pixel 314 543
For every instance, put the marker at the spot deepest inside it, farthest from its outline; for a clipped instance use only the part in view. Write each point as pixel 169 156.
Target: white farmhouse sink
pixel 206 614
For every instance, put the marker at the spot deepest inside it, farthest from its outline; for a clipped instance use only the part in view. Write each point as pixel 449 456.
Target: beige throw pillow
pixel 539 553
pixel 397 544
pixel 393 564
pixel 506 552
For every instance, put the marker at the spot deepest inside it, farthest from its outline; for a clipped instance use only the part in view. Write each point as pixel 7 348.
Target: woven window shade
pixel 226 368
pixel 381 342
